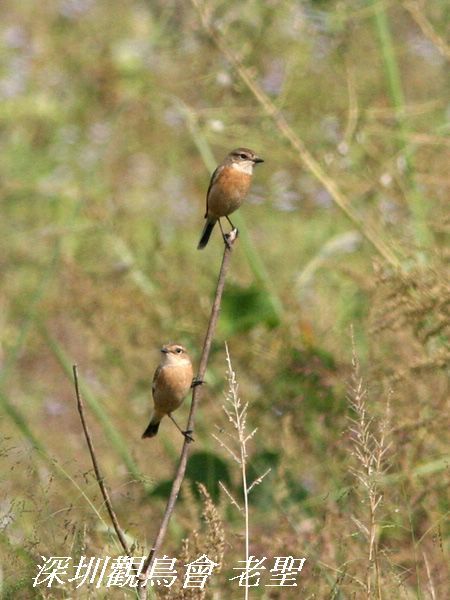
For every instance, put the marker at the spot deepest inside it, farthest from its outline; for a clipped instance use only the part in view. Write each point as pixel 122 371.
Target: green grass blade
pixel 417 203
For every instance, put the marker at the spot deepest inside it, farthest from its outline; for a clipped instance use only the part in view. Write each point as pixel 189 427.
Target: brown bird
pixel 171 383
pixel 228 189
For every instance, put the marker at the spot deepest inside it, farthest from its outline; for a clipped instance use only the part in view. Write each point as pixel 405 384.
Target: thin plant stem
pixel 239 421
pixel 370 447
pixel 246 515
pixel 417 204
pixel 237 415
pixel 182 464
pixel 98 475
pixel 417 11
pixel 113 435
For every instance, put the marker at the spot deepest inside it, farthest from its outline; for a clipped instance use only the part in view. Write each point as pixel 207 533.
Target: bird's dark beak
pixel 257 160
pixel 164 350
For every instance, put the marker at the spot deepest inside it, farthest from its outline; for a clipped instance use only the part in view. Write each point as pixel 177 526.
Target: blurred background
pixel 112 117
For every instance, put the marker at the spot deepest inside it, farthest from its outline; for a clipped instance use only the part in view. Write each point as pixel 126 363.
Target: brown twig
pixel 181 470
pixel 417 11
pixel 98 475
pixel 295 141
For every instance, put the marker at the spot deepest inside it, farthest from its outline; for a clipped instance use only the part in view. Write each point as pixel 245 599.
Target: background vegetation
pixel 112 115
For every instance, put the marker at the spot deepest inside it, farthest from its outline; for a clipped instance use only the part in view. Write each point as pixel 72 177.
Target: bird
pixel 171 383
pixel 228 188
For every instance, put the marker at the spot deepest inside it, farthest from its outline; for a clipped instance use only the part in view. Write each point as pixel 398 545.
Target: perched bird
pixel 171 383
pixel 227 189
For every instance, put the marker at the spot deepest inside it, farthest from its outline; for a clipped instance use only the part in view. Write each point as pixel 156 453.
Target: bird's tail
pixel 206 234
pixel 152 429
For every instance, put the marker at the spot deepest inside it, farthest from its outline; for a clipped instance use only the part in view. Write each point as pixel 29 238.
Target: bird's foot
pixel 227 243
pixel 196 382
pixel 230 238
pixel 188 435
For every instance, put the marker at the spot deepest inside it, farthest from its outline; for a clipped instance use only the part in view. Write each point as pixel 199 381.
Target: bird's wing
pixel 212 181
pixel 155 379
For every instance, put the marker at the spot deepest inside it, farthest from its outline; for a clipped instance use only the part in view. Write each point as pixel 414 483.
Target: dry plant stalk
pixel 236 411
pixel 414 306
pixel 369 442
pixel 418 299
pixel 98 475
pixel 210 542
pixel 416 9
pixel 182 464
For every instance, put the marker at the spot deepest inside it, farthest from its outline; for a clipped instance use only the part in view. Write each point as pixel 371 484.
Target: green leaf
pixel 245 308
pixel 209 469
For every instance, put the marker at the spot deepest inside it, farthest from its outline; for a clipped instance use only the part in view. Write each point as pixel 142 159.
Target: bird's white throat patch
pixel 176 361
pixel 244 167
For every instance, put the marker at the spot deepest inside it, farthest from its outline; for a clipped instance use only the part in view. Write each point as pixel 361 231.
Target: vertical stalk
pixel 417 203
pixel 182 464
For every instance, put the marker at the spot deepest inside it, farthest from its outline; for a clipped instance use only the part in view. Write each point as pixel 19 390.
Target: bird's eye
pixel 179 350
pixel 244 156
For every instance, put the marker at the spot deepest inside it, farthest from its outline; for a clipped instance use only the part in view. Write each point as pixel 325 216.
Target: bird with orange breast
pixel 227 190
pixel 171 383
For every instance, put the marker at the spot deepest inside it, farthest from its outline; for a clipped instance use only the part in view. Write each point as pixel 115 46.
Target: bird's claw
pixel 196 382
pixel 227 243
pixel 188 435
pixel 230 238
